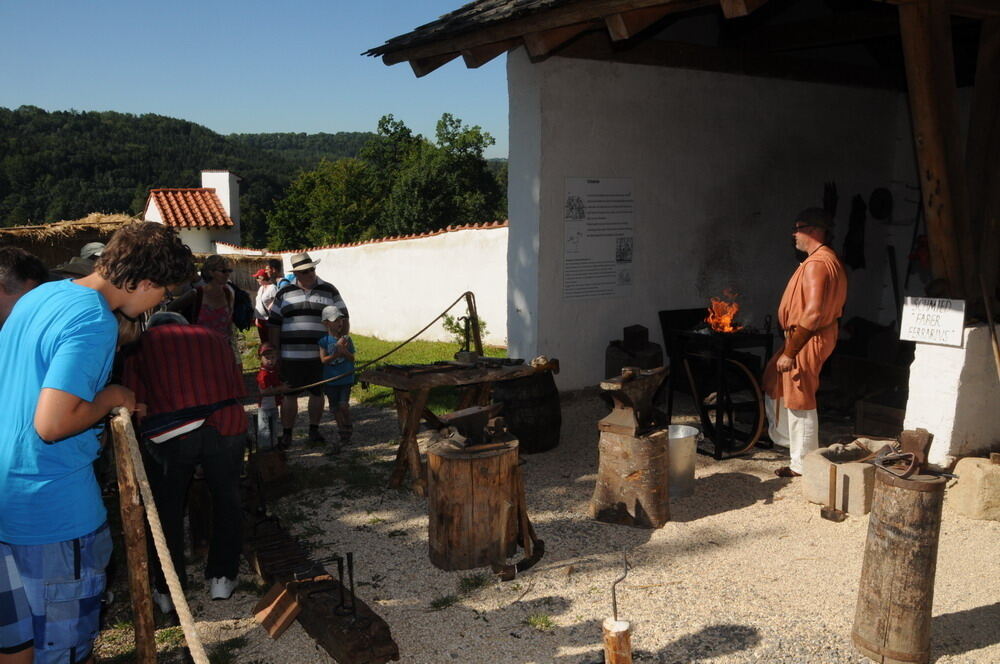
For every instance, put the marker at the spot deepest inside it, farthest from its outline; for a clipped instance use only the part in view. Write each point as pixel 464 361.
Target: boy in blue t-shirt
pixel 56 352
pixel 336 352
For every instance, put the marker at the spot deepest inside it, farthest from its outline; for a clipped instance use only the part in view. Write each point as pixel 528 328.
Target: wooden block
pixel 995 457
pixel 276 610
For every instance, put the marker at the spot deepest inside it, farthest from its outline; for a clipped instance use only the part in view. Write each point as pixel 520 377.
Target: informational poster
pixel 599 227
pixel 933 320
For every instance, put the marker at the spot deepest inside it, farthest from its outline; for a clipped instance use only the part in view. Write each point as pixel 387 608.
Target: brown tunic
pixel 798 386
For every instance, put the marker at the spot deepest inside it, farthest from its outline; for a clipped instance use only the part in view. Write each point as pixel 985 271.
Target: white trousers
pixel 798 430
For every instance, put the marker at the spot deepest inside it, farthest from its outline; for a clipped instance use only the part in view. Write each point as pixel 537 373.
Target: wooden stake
pixel 617 641
pixel 136 553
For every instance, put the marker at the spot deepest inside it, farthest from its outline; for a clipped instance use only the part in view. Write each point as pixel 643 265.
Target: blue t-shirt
pixel 338 365
pixel 62 336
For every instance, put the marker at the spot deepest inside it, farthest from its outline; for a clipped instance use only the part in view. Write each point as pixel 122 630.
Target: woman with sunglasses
pixel 211 304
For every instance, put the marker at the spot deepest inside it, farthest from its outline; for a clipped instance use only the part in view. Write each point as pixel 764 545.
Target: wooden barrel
pixel 892 623
pixel 633 480
pixel 531 410
pixel 472 504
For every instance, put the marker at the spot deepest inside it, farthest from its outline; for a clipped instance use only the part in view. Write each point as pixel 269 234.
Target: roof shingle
pixel 190 208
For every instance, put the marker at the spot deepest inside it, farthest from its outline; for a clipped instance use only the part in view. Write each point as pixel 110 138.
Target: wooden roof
pixel 754 37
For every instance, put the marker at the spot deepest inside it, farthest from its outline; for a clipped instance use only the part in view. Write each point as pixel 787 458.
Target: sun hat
pixel 815 216
pixel 331 313
pixel 92 250
pixel 302 262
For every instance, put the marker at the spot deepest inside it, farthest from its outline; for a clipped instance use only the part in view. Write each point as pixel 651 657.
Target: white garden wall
pixel 394 287
pixel 720 164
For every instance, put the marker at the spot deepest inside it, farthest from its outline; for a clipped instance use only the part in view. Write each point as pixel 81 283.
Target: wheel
pixel 734 422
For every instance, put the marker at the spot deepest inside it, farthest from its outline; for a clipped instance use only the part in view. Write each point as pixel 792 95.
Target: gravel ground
pixel 746 571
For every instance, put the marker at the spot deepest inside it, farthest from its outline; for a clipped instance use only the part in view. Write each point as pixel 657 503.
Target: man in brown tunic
pixel 812 303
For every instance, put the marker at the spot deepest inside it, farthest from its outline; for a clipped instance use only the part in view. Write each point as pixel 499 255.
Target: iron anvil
pixel 632 393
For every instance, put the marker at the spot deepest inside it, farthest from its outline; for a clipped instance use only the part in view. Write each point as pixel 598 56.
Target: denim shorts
pixel 51 594
pixel 337 394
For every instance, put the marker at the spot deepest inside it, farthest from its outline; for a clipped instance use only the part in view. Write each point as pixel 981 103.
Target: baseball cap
pixel 260 273
pixel 331 313
pixel 92 250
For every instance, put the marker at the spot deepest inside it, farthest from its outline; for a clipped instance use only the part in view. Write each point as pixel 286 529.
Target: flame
pixel 721 314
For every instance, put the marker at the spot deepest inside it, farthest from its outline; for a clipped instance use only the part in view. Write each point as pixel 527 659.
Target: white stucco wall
pixel 720 165
pixel 954 395
pixel 394 288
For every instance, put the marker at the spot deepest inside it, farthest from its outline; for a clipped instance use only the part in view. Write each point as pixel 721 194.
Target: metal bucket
pixel 683 447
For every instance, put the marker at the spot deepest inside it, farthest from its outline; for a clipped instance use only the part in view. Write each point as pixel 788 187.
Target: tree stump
pixel 633 478
pixel 892 623
pixel 617 641
pixel 473 503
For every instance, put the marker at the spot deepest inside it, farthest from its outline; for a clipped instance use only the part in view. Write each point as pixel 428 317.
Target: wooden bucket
pixel 892 623
pixel 472 503
pixel 531 410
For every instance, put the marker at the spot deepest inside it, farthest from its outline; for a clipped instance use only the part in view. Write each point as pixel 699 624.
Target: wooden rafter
pixel 478 56
pixel 827 31
pixel 737 8
pixel 626 25
pixel 424 66
pixel 967 8
pixel 540 44
pixel 585 10
pixel 598 46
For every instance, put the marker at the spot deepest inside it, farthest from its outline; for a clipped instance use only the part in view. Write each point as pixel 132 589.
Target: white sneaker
pixel 221 587
pixel 163 601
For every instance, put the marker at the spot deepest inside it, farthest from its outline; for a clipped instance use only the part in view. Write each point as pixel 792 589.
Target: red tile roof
pixel 190 208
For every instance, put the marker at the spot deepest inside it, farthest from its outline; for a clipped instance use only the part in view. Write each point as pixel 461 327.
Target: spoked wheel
pixel 731 406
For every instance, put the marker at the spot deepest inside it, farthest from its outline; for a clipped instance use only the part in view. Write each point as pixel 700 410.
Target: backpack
pixel 242 308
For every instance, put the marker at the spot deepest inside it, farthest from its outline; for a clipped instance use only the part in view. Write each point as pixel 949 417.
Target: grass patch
pixel 443 602
pixel 473 582
pixel 170 637
pixel 540 621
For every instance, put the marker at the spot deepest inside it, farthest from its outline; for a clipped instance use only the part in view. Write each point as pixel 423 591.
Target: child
pixel 270 384
pixel 336 352
pixel 56 352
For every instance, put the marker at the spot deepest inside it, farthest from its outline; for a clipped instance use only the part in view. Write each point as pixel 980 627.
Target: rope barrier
pixel 124 423
pixel 466 294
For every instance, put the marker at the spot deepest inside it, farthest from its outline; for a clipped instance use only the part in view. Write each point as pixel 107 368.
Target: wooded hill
pixel 67 164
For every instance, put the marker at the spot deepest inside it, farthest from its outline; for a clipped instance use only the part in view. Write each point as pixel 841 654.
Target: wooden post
pixel 136 553
pixel 983 158
pixel 925 27
pixel 892 623
pixel 617 641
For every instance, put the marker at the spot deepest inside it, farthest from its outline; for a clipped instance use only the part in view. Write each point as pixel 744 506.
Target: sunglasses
pixel 309 271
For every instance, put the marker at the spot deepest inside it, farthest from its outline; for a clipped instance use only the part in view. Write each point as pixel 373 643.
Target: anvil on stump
pixel 634 466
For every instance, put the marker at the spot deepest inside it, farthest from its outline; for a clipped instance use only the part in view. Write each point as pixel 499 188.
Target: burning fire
pixel 722 314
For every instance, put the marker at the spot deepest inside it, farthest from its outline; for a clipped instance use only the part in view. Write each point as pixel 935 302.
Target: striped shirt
pixel 298 312
pixel 181 366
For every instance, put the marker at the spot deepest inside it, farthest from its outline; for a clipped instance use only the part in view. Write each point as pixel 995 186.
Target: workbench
pixel 412 385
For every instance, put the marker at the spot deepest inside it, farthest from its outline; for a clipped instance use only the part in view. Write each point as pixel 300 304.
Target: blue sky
pixel 248 66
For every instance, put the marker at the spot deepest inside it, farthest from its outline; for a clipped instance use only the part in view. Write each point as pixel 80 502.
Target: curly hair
pixel 17 267
pixel 211 264
pixel 145 250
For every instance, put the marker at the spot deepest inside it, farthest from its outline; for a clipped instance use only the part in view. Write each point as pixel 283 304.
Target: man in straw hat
pixel 810 307
pixel 296 327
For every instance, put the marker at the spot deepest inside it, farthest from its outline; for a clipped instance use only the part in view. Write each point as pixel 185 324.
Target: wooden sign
pixel 933 320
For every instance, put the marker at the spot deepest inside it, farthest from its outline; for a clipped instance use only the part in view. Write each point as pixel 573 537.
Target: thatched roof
pixel 95 222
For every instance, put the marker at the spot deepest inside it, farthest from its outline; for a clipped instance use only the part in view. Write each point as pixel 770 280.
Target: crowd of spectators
pixel 76 343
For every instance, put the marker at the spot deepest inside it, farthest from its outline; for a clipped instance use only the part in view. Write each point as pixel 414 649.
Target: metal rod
pixel 614 589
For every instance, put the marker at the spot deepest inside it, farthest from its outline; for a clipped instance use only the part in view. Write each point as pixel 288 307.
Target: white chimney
pixel 227 188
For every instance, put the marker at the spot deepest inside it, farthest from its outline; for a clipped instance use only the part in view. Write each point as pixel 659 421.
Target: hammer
pixel 831 513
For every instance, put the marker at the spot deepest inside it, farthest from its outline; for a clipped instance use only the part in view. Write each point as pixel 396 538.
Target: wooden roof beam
pixel 626 25
pixel 820 32
pixel 967 8
pixel 424 66
pixel 477 56
pixel 584 10
pixel 737 8
pixel 540 44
